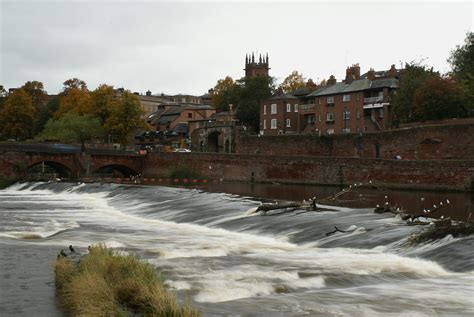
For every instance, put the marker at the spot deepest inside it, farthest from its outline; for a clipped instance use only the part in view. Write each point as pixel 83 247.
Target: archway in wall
pixel 115 170
pixel 213 142
pixel 48 170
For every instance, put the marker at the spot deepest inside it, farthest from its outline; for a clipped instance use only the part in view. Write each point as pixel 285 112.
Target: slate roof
pixel 182 127
pixel 284 96
pixel 356 85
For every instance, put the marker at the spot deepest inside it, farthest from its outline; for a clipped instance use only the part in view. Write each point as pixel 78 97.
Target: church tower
pixel 256 68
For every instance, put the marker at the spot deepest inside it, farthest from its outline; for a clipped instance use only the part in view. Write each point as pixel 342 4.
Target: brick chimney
pixel 331 81
pixel 393 71
pixel 352 73
pixel 371 74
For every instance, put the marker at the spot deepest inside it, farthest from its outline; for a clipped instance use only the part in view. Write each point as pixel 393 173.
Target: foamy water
pixel 216 250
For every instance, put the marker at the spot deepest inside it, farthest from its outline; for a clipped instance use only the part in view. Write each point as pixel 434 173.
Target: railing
pixel 373 99
pixel 310 107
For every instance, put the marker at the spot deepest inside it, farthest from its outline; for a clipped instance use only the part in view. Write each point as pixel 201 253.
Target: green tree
pixel 437 98
pixel 126 116
pixel 224 93
pixel 38 95
pixel 462 63
pixel 250 92
pixel 45 114
pixel 17 116
pixel 72 127
pixel 293 82
pixel 412 77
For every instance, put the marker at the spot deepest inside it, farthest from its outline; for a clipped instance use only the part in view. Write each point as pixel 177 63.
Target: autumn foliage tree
pixel 102 101
pixel 17 116
pixel 224 93
pixel 126 116
pixel 292 82
pixel 38 95
pixel 438 98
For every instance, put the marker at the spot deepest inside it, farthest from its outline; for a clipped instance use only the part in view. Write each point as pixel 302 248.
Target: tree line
pixel 75 115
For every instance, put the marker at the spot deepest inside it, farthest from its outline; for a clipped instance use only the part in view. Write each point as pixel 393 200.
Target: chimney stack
pixel 371 74
pixel 331 81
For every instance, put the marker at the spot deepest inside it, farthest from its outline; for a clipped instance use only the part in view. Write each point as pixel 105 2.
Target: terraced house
pixel 357 104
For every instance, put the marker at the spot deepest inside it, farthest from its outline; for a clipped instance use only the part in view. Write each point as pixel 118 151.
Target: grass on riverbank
pixel 4 183
pixel 105 283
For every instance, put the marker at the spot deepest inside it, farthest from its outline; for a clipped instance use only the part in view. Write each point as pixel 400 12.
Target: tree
pixel 75 83
pixel 45 114
pixel 412 77
pixel 103 100
pixel 72 127
pixel 38 95
pixel 251 92
pixel 437 98
pixel 462 63
pixel 74 100
pixel 17 116
pixel 126 116
pixel 224 93
pixel 293 82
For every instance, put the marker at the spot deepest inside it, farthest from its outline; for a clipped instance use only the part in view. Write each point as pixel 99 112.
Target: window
pixel 190 114
pixel 358 96
pixel 346 98
pixel 288 123
pixel 288 107
pixel 264 124
pixel 273 124
pixel 358 113
pixel 329 116
pixel 274 108
pixel 311 118
pixel 381 113
pixel 264 109
pixel 330 99
pixel 319 118
pixel 346 115
pixel 296 107
pixel 330 131
pixel 319 101
pixel 346 130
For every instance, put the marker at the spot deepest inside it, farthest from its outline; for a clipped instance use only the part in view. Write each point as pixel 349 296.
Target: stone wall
pixel 455 174
pixel 444 142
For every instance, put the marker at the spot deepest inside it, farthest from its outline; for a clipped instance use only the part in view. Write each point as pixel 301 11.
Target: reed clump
pixel 104 283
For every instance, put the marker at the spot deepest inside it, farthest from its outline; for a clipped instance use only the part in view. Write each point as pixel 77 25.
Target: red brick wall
pixel 317 170
pixel 427 142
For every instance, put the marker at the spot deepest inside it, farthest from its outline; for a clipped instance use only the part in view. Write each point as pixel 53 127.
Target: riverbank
pixel 4 183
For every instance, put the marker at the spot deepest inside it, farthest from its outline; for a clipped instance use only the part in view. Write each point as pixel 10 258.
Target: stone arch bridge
pixel 66 161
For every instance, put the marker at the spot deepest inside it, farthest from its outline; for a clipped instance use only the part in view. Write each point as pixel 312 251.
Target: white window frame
pixel 330 99
pixel 264 109
pixel 346 98
pixel 346 130
pixel 273 124
pixel 346 115
pixel 264 124
pixel 319 101
pixel 274 108
pixel 381 113
pixel 288 123
pixel 296 107
pixel 358 113
pixel 288 107
pixel 330 116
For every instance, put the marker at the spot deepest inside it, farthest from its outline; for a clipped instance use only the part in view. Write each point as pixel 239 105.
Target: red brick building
pixel 280 115
pixel 357 104
pixel 256 68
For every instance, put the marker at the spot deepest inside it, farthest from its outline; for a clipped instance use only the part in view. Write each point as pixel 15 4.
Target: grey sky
pixel 185 47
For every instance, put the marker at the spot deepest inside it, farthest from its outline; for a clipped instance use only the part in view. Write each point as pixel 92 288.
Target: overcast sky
pixel 185 47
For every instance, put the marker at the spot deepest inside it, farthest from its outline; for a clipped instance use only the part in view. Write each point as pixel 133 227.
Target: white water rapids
pixel 230 262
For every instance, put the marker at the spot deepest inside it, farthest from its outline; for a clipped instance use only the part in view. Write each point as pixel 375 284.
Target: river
pixel 212 250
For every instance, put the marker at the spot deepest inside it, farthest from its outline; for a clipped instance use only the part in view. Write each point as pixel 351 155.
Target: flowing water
pixel 211 249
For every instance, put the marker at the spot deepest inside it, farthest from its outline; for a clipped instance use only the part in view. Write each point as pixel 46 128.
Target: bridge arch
pixel 48 169
pixel 115 170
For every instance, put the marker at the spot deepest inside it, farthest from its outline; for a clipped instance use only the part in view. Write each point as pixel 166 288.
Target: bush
pixel 104 283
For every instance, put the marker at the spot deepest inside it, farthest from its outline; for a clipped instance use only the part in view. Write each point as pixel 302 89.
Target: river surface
pixel 211 249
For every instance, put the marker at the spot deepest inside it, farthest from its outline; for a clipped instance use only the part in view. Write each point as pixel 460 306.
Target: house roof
pixel 356 85
pixel 182 127
pixel 301 91
pixel 284 96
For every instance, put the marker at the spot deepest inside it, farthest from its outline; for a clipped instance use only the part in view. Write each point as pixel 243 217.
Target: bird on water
pixel 62 253
pixel 72 249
